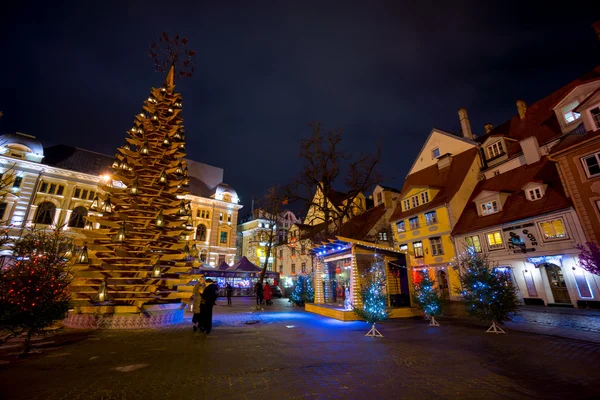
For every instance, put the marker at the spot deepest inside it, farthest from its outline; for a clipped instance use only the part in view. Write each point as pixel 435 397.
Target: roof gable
pixel 446 142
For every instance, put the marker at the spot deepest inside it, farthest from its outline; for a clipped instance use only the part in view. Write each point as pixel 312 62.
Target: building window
pixel 494 150
pixel 473 243
pixel 198 213
pixel 431 218
pixel 490 207
pixel 414 201
pixel 281 253
pixel 221 258
pixel 414 222
pixel 281 268
pixel 554 229
pixel 2 210
pixel 406 204
pixel 303 266
pixel 379 198
pixel 43 187
pixel 495 240
pixel 403 247
pixel 223 239
pixel 596 116
pixel 201 233
pixel 45 213
pixel 77 219
pixel 418 248
pixel 534 194
pixel 220 216
pixel 435 153
pixel 424 197
pixel 382 236
pixel 592 164
pixel 293 252
pixel 18 181
pixel 400 227
pixel 228 217
pixel 568 112
pixel 436 246
pixel 293 268
pixel 303 249
pixel 60 190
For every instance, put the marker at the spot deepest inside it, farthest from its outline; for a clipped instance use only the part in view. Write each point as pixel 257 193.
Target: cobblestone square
pixel 286 353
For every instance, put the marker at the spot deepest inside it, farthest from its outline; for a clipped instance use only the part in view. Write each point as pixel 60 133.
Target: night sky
pixel 382 72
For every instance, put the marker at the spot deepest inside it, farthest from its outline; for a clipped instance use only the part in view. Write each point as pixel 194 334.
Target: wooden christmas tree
pixel 137 231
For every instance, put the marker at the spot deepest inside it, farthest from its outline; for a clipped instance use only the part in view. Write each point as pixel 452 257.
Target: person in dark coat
pixel 258 289
pixel 209 297
pixel 229 291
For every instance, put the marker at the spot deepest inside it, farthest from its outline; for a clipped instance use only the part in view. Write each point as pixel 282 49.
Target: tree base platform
pixel 117 317
pixel 339 313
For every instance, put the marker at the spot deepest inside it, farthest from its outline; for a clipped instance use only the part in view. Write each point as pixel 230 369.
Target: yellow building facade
pixel 433 197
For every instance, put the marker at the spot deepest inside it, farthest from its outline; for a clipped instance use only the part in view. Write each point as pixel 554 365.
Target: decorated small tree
pixel 309 291
pixel 374 300
pixel 488 290
pixel 589 257
pixel 427 298
pixel 303 292
pixel 33 284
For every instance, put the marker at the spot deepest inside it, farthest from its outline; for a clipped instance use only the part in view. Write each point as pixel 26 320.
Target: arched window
pixel 201 233
pixel 77 219
pixel 203 256
pixel 45 213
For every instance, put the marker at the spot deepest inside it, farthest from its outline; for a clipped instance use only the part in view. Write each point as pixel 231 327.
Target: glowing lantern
pixel 156 271
pixel 133 190
pixel 163 177
pixel 120 236
pixel 160 220
pixel 107 206
pixel 145 149
pixel 83 258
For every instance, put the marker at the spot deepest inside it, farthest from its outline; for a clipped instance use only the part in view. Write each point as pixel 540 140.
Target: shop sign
pixel 520 239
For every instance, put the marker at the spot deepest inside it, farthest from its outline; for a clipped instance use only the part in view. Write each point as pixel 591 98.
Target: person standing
pixel 267 294
pixel 258 289
pixel 229 292
pixel 197 300
pixel 209 297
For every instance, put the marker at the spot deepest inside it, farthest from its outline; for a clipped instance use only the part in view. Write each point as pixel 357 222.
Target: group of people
pixel 205 296
pixel 263 293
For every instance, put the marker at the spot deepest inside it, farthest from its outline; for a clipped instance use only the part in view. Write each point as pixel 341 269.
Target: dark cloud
pixel 385 72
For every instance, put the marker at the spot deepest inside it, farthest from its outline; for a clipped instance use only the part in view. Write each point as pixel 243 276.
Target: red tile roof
pixel 517 206
pixel 448 180
pixel 540 120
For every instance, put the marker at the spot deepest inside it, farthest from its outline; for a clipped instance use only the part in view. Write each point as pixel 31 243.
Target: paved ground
pixel 290 354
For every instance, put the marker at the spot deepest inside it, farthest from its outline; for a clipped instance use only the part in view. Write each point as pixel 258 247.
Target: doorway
pixel 443 284
pixel 557 284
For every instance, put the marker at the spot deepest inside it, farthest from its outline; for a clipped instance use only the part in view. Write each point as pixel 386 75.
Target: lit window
pixel 495 240
pixel 554 229
pixel 424 197
pixel 436 246
pixel 223 239
pixel 220 216
pixel 592 164
pixel 228 217
pixel 489 208
pixel 534 194
pixel 406 204
pixel 403 247
pixel 494 150
pixel 414 222
pixel 400 227
pixel 431 218
pixel 596 116
pixel 568 112
pixel 382 236
pixel 473 243
pixel 418 248
pixel 435 153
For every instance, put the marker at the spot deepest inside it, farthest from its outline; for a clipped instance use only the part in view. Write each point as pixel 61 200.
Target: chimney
pixel 521 108
pixel 488 128
pixel 464 124
pixel 596 28
pixel 531 150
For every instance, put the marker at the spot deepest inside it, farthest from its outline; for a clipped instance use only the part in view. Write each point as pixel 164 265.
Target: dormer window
pixel 435 153
pixel 491 207
pixel 534 194
pixel 568 114
pixel 494 150
pixel 595 112
pixel 406 204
